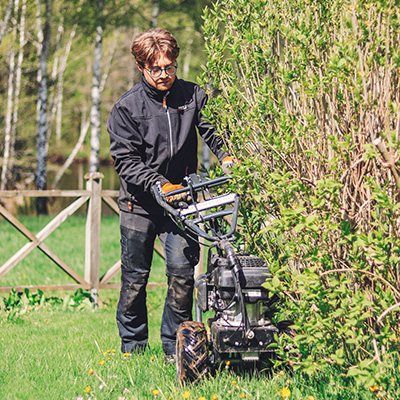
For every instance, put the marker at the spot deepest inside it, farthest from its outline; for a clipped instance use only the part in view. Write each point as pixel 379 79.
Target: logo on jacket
pixel 181 108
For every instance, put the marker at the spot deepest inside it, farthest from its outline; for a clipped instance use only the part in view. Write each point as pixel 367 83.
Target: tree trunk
pixel 96 96
pixel 60 84
pixel 18 75
pixel 41 138
pixel 186 64
pixel 7 139
pixel 6 20
pixel 155 13
pixel 54 74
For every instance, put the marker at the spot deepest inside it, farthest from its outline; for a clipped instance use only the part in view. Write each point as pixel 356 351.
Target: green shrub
pixel 305 94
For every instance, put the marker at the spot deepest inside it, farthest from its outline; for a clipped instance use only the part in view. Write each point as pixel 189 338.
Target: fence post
pixel 92 246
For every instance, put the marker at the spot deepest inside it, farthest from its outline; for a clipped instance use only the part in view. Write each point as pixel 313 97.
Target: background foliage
pixel 73 27
pixel 306 95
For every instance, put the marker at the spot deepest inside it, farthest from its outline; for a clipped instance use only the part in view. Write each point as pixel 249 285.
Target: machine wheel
pixel 191 352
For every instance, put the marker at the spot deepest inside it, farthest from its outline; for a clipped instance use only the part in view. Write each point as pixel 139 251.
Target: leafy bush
pixel 18 303
pixel 305 94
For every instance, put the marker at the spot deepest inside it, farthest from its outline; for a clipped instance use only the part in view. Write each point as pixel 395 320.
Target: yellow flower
pixel 243 395
pixel 156 392
pixel 88 389
pixel 202 398
pixel 186 394
pixel 91 371
pixel 113 350
pixel 214 396
pixel 281 372
pixel 233 382
pixel 374 388
pixel 288 382
pixel 285 392
pixel 126 354
pixel 311 398
pixel 101 362
pixel 228 363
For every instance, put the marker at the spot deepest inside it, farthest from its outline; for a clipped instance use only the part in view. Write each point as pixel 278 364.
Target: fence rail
pixel 94 195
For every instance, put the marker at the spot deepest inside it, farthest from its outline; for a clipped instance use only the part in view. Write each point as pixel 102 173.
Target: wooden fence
pixel 94 195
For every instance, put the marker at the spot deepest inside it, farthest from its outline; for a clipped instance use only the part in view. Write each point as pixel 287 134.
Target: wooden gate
pixel 94 195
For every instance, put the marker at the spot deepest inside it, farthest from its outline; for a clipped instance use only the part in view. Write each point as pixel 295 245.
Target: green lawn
pixel 57 351
pixel 50 352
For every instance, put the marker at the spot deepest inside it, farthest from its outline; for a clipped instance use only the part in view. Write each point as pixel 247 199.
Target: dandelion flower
pixel 87 390
pixel 113 350
pixel 228 363
pixel 202 398
pixel 233 382
pixel 186 394
pixel 126 354
pixel 374 388
pixel 214 397
pixel 243 395
pixel 281 372
pixel 311 398
pixel 101 362
pixel 91 371
pixel 285 392
pixel 156 392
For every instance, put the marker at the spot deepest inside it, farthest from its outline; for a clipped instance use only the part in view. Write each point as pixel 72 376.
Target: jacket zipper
pixel 171 149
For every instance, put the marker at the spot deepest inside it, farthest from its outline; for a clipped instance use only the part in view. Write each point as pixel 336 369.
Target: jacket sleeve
pixel 207 131
pixel 125 149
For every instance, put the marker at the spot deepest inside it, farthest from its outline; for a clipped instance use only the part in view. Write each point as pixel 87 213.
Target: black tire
pixel 191 352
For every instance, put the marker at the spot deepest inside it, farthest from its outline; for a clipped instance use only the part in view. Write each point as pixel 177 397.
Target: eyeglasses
pixel 157 72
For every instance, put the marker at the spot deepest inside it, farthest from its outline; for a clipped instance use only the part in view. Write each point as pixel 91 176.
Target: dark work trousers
pixel 138 233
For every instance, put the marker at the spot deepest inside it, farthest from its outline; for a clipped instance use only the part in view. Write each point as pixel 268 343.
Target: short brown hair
pixel 147 46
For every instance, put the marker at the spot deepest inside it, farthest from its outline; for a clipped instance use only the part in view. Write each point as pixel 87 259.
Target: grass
pixel 57 351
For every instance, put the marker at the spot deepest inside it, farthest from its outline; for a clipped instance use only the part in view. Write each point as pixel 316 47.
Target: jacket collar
pixel 154 93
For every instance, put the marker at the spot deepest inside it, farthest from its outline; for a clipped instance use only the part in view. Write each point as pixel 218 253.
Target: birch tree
pixel 13 94
pixel 41 137
pixel 7 17
pixel 96 93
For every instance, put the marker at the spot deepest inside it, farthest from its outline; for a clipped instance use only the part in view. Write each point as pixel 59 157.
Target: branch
pixel 363 272
pixel 390 309
pixel 390 161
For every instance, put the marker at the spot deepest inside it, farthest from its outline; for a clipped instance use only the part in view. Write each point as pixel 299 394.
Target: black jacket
pixel 153 138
